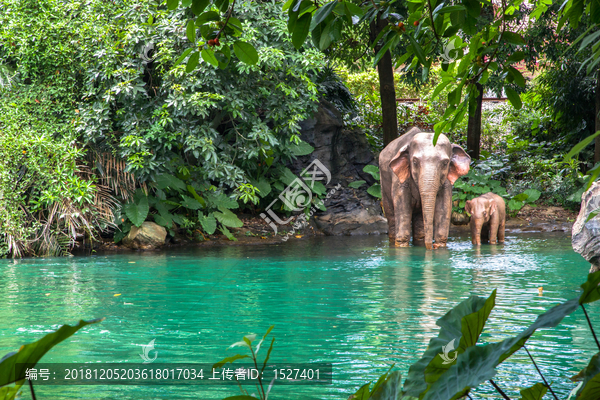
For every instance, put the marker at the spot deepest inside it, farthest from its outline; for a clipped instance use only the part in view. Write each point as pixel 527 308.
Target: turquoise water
pixel 352 301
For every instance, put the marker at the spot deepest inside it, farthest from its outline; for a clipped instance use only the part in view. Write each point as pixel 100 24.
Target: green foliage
pixel 13 365
pixel 387 387
pixel 187 203
pixel 263 392
pixel 375 189
pixel 45 197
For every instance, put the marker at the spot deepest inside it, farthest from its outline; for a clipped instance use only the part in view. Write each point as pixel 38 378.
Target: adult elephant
pixel 416 184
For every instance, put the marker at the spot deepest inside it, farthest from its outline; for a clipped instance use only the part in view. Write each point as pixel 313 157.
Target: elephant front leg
pixel 403 216
pixel 494 225
pixel 443 212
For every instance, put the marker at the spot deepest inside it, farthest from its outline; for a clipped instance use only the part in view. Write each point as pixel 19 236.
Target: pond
pixel 350 301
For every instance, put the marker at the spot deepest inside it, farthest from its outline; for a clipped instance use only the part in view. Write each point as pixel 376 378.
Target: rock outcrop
pixel 344 153
pixel 586 235
pixel 147 237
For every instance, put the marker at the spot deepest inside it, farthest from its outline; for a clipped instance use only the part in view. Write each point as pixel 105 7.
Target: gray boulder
pixel 344 152
pixel 147 237
pixel 586 235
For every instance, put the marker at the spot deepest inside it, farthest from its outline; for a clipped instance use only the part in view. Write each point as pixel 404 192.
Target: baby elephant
pixel 488 216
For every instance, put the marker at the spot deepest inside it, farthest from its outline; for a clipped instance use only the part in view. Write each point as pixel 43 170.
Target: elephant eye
pixel 444 163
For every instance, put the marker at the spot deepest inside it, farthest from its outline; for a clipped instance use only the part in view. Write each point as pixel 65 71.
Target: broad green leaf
pixel 235 24
pixel 10 392
pixel 137 212
pixel 450 330
pixel 449 9
pixel 192 191
pixel 535 392
pixel 473 8
pixel 164 181
pixel 198 6
pixel 182 56
pixel 363 393
pixel 516 57
pixel 513 97
pixel 418 50
pixel 263 186
pixel 301 149
pixel 245 52
pixel 326 36
pixel 438 89
pixel 592 215
pixel 591 290
pixel 228 234
pixel 391 43
pixel 227 218
pixel 389 388
pixel 375 190
pixel 520 197
pixel 322 13
pixel 318 188
pixel 513 38
pixel 356 184
pixel 192 62
pixel 186 3
pixel 190 203
pixel 589 39
pixel 208 55
pixel 208 223
pixel 289 3
pixel 372 170
pixel 190 31
pixel 532 195
pixel 301 30
pixel 172 4
pixel 31 353
pixel 517 76
pixel 478 363
pixel 222 200
pixel 471 327
pixel 163 220
pixel 514 205
pixel 590 375
pixel 580 146
pixel 207 17
pixel 229 360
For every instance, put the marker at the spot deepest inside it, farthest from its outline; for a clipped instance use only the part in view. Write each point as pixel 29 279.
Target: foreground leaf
pixel 536 392
pixel 450 329
pixel 31 353
pixel 478 363
pixel 591 290
pixel 590 375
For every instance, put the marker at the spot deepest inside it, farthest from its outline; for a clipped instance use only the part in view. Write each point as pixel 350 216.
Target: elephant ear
pixel 459 165
pixel 400 164
pixel 468 206
pixel 493 207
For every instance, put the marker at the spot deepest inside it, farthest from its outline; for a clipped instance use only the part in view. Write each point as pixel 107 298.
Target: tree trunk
pixel 474 127
pixel 597 119
pixel 387 91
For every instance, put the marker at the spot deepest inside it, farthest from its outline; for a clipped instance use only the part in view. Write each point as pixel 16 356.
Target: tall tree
pixel 387 90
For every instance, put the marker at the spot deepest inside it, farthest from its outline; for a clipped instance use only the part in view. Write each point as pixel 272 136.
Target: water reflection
pixel 355 302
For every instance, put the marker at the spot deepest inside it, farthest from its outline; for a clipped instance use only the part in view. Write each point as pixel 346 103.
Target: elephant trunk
pixel 476 226
pixel 428 189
